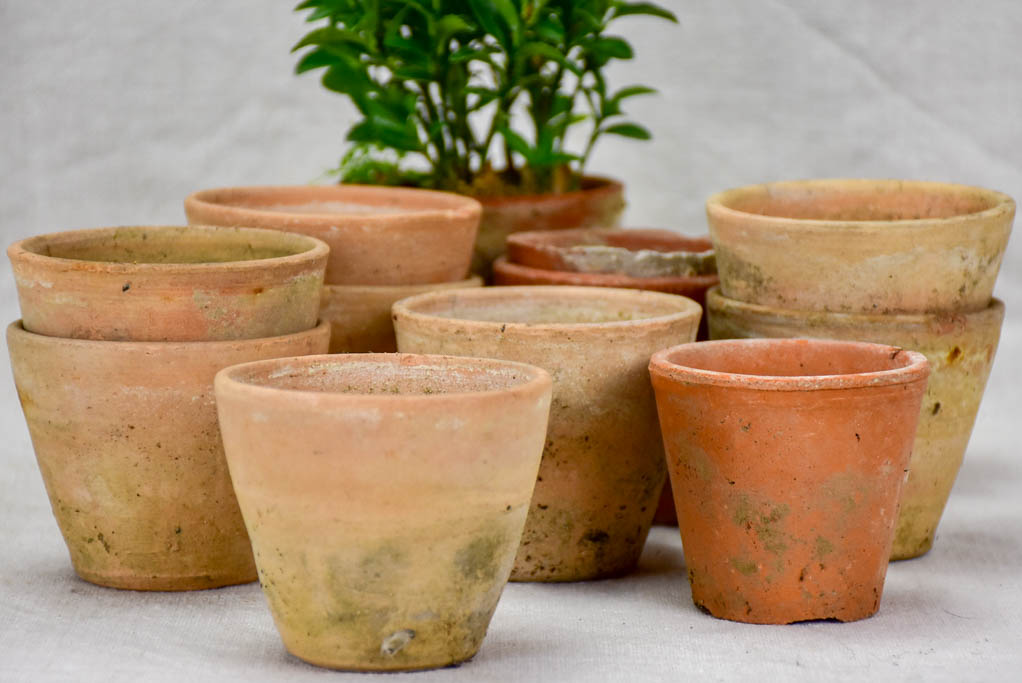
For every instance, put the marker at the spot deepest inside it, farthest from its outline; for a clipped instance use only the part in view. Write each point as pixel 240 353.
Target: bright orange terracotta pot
pixel 788 459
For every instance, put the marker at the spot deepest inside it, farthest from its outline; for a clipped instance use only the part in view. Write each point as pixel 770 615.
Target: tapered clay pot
pixel 603 466
pixel 385 497
pixel 787 458
pixel 145 283
pixel 377 235
pixel 960 348
pixel 359 316
pixel 126 437
pixel 639 253
pixel 599 204
pixel 860 246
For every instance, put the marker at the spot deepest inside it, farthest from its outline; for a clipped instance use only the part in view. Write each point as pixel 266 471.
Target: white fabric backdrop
pixel 111 111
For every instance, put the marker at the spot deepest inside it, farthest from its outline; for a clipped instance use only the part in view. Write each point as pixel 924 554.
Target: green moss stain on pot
pixel 765 520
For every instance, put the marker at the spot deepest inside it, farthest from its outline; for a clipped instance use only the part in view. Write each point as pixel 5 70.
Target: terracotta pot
pixel 385 496
pixel 126 438
pixel 599 204
pixel 787 458
pixel 960 348
pixel 359 316
pixel 633 252
pixel 860 246
pixel 377 235
pixel 149 283
pixel 603 467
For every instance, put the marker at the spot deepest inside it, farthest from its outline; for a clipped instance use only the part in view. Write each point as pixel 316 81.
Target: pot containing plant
pixel 377 235
pixel 481 98
pixel 961 349
pixel 125 434
pixel 788 458
pixel 385 495
pixel 860 246
pixel 146 283
pixel 603 465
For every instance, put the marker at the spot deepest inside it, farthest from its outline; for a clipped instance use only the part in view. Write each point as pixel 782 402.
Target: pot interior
pixel 789 357
pixel 169 245
pixel 860 200
pixel 548 306
pixel 390 375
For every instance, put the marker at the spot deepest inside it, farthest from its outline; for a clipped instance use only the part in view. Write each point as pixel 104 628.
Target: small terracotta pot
pixel 599 204
pixel 603 467
pixel 633 252
pixel 126 437
pixel 860 246
pixel 359 316
pixel 960 348
pixel 385 496
pixel 787 458
pixel 150 283
pixel 377 235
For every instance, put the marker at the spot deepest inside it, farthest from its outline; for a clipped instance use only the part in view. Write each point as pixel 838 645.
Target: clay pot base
pixel 787 459
pixel 961 350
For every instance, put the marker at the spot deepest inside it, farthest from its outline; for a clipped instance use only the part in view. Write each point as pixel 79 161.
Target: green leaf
pixel 622 9
pixel 499 18
pixel 518 144
pixel 629 130
pixel 330 35
pixel 316 59
pixel 612 107
pixel 549 52
pixel 451 25
pixel 611 47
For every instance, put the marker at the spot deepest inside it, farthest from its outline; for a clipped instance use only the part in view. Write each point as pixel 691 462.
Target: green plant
pixel 444 86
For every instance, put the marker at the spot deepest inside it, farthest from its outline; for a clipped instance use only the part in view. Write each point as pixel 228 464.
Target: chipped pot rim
pixel 664 364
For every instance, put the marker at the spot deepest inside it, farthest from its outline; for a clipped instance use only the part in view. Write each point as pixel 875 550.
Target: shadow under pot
pixel 126 438
pixel 961 349
pixel 787 458
pixel 385 496
pixel 147 283
pixel 860 246
pixel 603 464
pixel 359 315
pixel 377 235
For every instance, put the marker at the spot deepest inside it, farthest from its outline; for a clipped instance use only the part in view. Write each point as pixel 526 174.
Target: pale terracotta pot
pixel 603 466
pixel 860 246
pixel 787 458
pixel 147 283
pixel 599 204
pixel 377 235
pixel 359 316
pixel 126 437
pixel 960 348
pixel 385 496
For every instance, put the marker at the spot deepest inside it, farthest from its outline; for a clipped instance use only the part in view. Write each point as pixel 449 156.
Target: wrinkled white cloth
pixel 111 111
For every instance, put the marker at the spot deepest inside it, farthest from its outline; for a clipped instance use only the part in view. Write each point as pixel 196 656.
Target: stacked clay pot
pixel 654 260
pixel 385 244
pixel 123 331
pixel 908 264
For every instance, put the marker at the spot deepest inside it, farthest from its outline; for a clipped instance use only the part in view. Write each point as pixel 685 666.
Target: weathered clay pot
pixel 599 204
pixel 960 348
pixel 359 316
pixel 860 246
pixel 603 467
pixel 787 458
pixel 377 235
pixel 146 283
pixel 385 496
pixel 638 253
pixel 126 437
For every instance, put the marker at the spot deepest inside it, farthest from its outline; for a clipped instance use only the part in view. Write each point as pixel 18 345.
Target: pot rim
pixel 718 204
pixel 716 301
pixel 158 348
pixel 20 252
pixel 536 381
pixel 613 280
pixel 916 368
pixel 688 309
pixel 599 185
pixel 474 280
pixel 426 204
